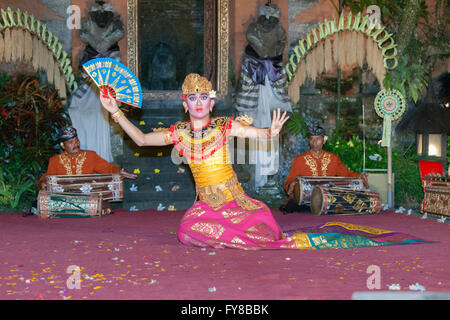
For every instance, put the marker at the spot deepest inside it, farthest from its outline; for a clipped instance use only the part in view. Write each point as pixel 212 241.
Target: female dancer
pixel 225 216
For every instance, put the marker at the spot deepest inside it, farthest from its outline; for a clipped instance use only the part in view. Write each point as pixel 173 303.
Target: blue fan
pixel 112 76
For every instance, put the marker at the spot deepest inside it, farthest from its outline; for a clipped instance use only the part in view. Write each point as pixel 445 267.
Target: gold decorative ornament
pixel 195 83
pixel 116 115
pixel 244 119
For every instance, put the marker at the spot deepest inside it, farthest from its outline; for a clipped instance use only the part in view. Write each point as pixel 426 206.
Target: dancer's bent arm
pixel 278 120
pixel 141 139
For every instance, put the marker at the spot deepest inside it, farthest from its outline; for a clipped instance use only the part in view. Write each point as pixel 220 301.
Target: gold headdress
pixel 194 83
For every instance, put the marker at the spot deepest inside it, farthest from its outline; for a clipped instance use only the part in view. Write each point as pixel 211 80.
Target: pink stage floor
pixel 136 255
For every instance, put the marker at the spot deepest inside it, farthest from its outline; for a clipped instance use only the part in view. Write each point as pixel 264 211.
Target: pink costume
pixel 224 216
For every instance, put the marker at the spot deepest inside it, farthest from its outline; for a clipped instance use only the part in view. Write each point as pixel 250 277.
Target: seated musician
pixel 315 162
pixel 74 161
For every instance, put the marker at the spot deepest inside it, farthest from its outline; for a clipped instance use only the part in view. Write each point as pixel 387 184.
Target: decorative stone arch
pixel 352 40
pixel 24 38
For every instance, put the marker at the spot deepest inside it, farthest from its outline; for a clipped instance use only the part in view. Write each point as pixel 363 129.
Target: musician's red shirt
pixel 84 162
pixel 327 164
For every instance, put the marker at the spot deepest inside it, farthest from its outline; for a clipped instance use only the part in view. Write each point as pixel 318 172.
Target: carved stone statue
pixel 163 68
pixel 101 31
pixel 263 86
pixel 266 35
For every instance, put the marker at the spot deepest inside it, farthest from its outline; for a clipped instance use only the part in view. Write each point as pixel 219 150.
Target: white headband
pixel 271 10
pixel 104 7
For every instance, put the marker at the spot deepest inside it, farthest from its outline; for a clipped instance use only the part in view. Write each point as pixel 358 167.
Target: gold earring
pixel 185 110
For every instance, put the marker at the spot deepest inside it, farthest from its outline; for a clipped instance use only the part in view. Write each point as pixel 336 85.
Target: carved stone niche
pixel 167 39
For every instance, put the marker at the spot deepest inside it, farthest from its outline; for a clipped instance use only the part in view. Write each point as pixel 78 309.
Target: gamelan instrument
pixel 304 186
pixel 437 196
pixel 60 205
pixel 331 201
pixel 108 186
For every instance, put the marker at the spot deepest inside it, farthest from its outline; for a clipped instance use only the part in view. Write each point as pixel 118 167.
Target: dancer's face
pixel 199 105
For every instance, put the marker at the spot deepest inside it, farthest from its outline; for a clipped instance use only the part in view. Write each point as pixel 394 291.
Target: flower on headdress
pixel 183 96
pixel 212 94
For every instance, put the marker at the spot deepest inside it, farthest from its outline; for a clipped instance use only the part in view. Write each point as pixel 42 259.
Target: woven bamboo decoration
pixel 350 40
pixel 24 38
pixel 2 46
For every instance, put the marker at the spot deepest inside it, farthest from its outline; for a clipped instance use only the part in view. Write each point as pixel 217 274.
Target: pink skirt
pixel 230 226
pixel 234 227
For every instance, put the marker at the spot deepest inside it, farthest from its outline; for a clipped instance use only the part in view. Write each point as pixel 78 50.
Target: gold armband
pixel 241 131
pixel 116 115
pixel 245 121
pixel 167 138
pixel 167 134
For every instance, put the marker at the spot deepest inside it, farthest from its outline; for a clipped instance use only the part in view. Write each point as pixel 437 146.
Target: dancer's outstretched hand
pixel 108 102
pixel 278 121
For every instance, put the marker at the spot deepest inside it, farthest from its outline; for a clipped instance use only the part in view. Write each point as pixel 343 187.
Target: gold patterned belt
pixel 217 195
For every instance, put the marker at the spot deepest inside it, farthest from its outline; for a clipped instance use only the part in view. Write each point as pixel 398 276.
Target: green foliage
pixel 30 116
pixel 409 79
pixel 405 165
pixel 31 112
pixel 388 8
pixel 419 50
pixel 4 79
pixel 14 185
pixel 408 183
pixel 351 152
pixel 297 124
